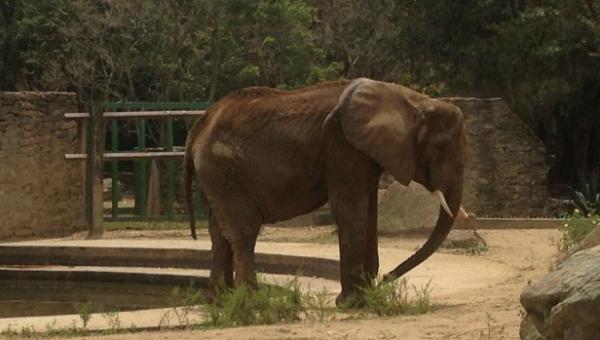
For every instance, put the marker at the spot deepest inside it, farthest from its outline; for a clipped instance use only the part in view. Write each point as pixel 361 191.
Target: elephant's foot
pixel 215 288
pixel 210 296
pixel 355 299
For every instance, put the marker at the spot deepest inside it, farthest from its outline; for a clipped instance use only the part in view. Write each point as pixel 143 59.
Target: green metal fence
pixel 142 165
pixel 143 113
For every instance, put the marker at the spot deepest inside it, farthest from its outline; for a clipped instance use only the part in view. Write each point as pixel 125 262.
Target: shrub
pixel 576 227
pixel 266 305
pixel 387 298
pixel 588 199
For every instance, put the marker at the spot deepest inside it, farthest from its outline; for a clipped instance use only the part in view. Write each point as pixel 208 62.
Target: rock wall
pixel 506 171
pixel 40 192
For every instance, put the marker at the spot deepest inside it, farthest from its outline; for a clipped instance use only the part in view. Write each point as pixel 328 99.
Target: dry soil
pixel 476 297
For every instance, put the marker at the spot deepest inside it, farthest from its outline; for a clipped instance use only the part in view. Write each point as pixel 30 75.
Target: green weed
pixel 113 321
pixel 85 314
pixel 265 305
pixel 576 227
pixel 388 298
pixel 185 300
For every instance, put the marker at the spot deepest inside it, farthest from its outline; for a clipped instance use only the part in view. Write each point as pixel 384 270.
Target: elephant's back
pixel 270 142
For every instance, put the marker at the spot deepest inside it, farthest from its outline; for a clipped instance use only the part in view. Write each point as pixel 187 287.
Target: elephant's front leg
pixel 371 259
pixel 354 207
pixel 352 273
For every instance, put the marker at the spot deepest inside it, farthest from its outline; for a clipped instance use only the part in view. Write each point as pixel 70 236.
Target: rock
pixel 528 330
pixel 412 207
pixel 407 208
pixel 465 220
pixel 565 304
pixel 464 239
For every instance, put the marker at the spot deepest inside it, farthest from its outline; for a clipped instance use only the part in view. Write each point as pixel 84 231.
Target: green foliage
pixel 187 296
pixel 577 226
pixel 588 199
pixel 388 298
pixel 540 56
pixel 85 313
pixel 265 305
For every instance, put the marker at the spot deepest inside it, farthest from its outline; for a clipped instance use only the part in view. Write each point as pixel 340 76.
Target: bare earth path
pixel 478 296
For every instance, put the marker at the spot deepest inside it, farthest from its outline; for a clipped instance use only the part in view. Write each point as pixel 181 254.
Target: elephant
pixel 264 155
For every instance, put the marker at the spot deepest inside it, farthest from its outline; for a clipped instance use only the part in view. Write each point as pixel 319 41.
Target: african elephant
pixel 264 155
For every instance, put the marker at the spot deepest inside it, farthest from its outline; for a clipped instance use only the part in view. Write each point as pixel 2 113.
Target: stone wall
pixel 506 171
pixel 40 192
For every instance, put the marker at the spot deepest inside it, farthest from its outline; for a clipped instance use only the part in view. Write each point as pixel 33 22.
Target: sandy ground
pixel 476 297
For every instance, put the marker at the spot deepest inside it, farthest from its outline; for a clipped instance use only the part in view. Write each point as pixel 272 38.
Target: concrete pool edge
pixel 28 261
pixel 65 255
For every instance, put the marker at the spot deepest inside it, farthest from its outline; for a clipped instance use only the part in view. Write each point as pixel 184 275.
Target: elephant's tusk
pixel 443 202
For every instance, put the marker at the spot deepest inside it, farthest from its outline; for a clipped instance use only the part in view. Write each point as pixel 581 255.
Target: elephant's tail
pixel 188 174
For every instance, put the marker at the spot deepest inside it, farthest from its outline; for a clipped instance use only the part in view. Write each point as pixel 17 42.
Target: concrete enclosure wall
pixel 40 192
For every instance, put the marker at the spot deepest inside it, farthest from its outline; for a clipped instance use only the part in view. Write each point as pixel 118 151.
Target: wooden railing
pixel 92 134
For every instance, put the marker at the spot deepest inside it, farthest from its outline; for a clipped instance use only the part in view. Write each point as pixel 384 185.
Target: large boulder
pixel 465 241
pixel 412 207
pixel 407 208
pixel 565 304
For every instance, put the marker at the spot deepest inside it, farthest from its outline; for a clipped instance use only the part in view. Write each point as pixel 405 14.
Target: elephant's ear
pixel 378 119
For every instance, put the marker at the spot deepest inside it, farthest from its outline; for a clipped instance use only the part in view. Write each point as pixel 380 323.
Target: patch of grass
pixel 266 305
pixel 576 227
pixel 185 299
pixel 493 330
pixel 319 305
pixel 388 298
pixel 286 302
pixel 113 321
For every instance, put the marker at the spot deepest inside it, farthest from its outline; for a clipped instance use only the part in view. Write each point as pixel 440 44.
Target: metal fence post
pixel 114 168
pixel 141 178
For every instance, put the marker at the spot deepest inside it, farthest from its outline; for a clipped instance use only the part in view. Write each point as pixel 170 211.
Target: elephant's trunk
pixel 443 226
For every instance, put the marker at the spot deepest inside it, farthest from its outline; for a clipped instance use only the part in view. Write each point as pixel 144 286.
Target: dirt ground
pixel 476 297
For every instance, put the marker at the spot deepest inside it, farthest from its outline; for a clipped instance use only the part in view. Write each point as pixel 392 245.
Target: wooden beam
pixel 119 156
pixel 137 114
pixel 95 170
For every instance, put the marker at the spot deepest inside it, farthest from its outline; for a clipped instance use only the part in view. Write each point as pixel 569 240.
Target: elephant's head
pixel 412 136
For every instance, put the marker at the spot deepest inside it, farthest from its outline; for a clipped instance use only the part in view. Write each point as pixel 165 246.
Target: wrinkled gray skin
pixel 264 155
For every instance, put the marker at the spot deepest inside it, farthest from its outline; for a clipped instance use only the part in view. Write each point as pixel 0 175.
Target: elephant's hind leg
pixel 240 228
pixel 221 272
